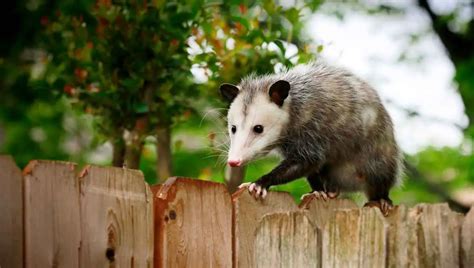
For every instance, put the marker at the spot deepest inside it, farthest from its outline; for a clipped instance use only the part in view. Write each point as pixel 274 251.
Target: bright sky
pixel 370 47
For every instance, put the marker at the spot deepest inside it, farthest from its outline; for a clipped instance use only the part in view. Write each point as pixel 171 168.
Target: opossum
pixel 327 124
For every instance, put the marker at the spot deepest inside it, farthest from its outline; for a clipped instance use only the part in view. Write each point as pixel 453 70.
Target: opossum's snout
pixel 234 163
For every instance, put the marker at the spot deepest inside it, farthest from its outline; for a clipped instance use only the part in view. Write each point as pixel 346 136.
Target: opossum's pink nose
pixel 234 163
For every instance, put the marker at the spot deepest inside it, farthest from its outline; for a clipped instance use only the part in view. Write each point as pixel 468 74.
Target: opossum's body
pixel 329 126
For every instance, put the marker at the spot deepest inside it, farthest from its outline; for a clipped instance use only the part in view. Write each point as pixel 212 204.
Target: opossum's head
pixel 256 118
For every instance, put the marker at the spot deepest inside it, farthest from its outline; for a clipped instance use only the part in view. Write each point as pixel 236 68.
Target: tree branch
pixel 458 47
pixel 416 175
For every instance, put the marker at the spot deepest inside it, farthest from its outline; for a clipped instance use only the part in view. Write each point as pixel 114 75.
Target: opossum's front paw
pixel 321 195
pixel 385 206
pixel 255 189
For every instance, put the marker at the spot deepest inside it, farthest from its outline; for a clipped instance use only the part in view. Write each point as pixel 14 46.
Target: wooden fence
pixel 53 215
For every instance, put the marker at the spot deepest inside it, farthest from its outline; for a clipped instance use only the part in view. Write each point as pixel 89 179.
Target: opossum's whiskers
pixel 214 110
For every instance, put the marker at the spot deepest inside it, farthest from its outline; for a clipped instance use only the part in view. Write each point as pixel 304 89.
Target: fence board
pixel 11 211
pixel 467 236
pixel 193 224
pixel 287 240
pixel 116 218
pixel 341 243
pixel 320 211
pixel 373 238
pixel 247 213
pixel 355 238
pixel 438 230
pixel 52 231
pixel 401 232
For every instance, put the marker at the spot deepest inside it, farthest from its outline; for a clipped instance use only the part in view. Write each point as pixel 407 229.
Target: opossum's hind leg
pixel 321 188
pixel 377 190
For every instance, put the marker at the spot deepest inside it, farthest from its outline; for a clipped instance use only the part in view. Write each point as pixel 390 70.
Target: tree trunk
pixel 134 146
pixel 118 156
pixel 133 154
pixel 234 176
pixel 163 151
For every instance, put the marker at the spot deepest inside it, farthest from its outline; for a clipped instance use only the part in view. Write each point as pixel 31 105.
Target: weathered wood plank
pixel 11 213
pixel 340 243
pixel 247 213
pixel 287 240
pixel 193 224
pixel 52 231
pixel 355 238
pixel 116 218
pixel 373 238
pixel 438 230
pixel 467 236
pixel 402 242
pixel 321 211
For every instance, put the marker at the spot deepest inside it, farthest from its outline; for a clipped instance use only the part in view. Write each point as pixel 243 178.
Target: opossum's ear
pixel 229 92
pixel 279 91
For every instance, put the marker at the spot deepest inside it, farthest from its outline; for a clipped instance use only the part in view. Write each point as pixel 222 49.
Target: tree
pixel 458 45
pixel 128 63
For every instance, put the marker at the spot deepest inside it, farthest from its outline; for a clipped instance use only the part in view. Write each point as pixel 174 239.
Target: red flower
pixel 174 42
pixel 243 8
pixel 69 90
pixel 44 20
pixel 80 74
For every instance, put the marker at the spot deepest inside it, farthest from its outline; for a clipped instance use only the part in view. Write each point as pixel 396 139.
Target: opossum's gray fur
pixel 338 121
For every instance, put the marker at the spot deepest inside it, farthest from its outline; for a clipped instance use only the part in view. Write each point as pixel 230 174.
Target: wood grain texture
pixel 116 218
pixel 373 238
pixel 402 241
pixel 438 230
pixel 11 213
pixel 52 230
pixel 355 238
pixel 321 211
pixel 247 213
pixel 467 236
pixel 193 224
pixel 341 244
pixel 287 240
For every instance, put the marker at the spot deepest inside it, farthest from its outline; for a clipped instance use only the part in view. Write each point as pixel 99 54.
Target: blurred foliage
pixel 74 74
pixel 34 123
pixel 129 63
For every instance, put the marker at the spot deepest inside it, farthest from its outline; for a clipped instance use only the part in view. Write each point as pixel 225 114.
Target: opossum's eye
pixel 233 129
pixel 258 129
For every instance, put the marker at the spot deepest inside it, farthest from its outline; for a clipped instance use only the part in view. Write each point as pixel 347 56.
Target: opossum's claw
pixel 264 193
pixel 255 190
pixel 258 191
pixel 321 195
pixel 245 184
pixel 385 206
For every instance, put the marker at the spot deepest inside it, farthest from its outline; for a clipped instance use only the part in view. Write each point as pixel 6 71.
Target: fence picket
pixel 247 213
pixel 52 231
pixel 116 218
pixel 438 230
pixel 467 236
pixel 193 224
pixel 11 211
pixel 287 239
pixel 320 211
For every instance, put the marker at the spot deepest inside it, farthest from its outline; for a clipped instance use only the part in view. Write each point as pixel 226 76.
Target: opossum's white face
pixel 255 126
